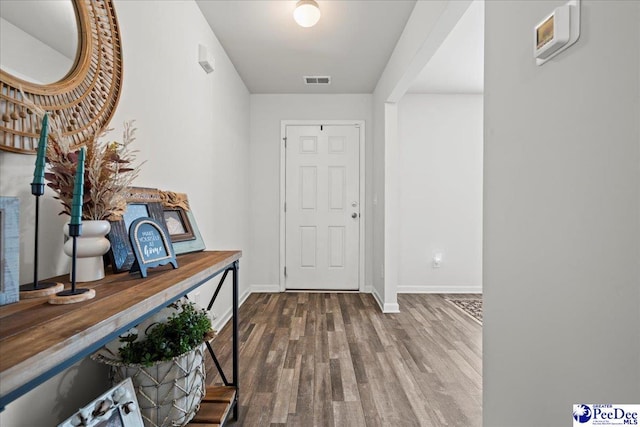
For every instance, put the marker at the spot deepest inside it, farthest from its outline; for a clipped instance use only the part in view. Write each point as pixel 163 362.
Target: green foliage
pixel 182 332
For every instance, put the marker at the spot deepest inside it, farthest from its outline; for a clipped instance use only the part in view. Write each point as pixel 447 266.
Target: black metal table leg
pixel 235 382
pixel 235 338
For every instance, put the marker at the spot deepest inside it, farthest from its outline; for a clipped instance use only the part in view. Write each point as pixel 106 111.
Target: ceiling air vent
pixel 317 80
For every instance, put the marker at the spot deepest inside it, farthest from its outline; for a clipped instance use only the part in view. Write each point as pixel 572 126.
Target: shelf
pixel 215 407
pixel 39 340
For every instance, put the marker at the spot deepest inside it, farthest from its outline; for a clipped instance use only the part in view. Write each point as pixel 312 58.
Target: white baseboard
pixel 444 289
pixel 220 321
pixel 265 288
pixel 377 297
pixel 391 308
pixel 385 307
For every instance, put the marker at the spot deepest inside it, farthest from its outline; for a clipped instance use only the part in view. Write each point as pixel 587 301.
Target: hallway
pixel 311 359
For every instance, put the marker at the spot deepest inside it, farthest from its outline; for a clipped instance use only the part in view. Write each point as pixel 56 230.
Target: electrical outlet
pixel 436 261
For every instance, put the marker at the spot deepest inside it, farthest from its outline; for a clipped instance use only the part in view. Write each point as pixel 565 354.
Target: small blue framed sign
pixel 9 249
pixel 151 245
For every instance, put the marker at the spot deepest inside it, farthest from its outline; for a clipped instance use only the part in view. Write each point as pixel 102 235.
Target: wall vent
pixel 317 80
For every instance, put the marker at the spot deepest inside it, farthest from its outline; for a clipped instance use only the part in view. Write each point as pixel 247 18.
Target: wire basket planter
pixel 169 392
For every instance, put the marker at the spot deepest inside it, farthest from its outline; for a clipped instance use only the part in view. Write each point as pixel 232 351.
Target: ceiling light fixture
pixel 307 13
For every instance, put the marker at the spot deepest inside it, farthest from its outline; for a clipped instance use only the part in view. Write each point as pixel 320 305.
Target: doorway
pixel 322 194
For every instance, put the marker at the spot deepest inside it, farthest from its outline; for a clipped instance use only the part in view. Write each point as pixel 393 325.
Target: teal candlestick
pixel 37 288
pixel 78 191
pixel 38 173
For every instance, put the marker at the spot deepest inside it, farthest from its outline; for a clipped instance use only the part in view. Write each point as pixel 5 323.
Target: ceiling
pixel 458 65
pixel 352 42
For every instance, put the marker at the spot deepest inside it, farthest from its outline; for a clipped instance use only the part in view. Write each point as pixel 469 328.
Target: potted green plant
pixel 165 361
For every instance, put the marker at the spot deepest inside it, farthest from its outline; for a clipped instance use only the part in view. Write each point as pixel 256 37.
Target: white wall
pixel 193 130
pixel 561 215
pixel 267 111
pixel 440 198
pixel 428 26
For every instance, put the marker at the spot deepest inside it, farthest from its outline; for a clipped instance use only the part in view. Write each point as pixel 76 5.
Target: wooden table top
pixel 36 337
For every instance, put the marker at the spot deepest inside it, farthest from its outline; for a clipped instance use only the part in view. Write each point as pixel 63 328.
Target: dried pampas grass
pixel 109 170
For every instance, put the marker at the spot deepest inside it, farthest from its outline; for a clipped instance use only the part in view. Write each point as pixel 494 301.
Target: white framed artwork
pixel 117 407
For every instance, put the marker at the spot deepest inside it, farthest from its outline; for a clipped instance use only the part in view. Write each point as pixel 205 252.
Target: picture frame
pixel 118 407
pixel 194 245
pixel 151 245
pixel 176 210
pixel 178 224
pixel 9 250
pixel 141 203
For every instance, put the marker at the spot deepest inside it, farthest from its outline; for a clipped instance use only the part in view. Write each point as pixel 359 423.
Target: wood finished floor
pixel 311 359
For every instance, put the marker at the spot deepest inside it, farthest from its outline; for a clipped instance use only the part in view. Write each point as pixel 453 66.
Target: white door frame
pixel 283 134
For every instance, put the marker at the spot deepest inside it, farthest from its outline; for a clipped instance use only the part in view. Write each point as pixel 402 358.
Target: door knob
pixel 354 215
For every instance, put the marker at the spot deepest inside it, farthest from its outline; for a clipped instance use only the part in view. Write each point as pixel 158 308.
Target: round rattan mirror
pixel 84 100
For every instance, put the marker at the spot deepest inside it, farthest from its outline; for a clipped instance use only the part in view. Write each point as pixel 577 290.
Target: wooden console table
pixel 39 340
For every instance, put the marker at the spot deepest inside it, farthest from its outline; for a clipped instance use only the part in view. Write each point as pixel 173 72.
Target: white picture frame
pixel 118 407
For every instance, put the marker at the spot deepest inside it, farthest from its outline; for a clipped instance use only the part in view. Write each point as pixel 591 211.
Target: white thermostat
pixel 557 32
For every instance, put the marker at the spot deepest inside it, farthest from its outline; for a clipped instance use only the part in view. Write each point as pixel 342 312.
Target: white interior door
pixel 322 241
